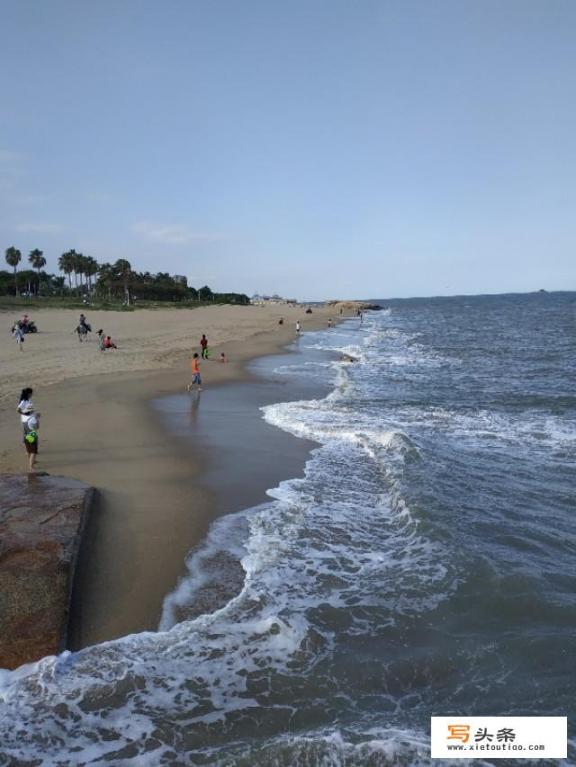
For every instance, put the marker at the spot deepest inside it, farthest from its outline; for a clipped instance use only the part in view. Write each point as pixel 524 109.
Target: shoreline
pixel 242 457
pixel 103 430
pixel 162 519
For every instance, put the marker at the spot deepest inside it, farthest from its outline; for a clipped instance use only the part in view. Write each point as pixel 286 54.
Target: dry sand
pixel 97 426
pixel 147 340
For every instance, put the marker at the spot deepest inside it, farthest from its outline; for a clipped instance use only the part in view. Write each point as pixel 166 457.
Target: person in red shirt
pixel 108 343
pixel 204 345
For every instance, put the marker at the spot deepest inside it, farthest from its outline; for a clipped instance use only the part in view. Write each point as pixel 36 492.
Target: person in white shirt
pixel 18 334
pixel 30 422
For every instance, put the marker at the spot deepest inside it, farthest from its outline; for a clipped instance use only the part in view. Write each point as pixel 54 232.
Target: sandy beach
pixel 98 426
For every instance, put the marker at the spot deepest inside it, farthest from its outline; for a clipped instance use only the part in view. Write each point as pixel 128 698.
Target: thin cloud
pixel 174 235
pixel 38 228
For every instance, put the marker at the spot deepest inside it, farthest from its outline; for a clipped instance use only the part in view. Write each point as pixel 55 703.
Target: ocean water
pixel 425 564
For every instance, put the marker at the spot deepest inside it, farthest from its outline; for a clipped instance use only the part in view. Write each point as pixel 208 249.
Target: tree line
pixel 109 282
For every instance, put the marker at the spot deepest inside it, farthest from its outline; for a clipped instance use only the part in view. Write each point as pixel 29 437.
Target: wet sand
pixel 152 509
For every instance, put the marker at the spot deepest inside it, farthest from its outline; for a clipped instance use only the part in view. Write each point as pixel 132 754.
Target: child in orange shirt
pixel 196 379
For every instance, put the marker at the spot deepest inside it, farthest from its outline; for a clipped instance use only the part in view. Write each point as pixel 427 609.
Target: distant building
pixel 261 300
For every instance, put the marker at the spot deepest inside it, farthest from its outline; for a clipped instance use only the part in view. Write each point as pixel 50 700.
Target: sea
pixel 423 563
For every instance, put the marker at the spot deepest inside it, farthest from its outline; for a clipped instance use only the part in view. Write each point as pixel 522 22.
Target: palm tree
pixel 74 262
pixel 105 279
pixel 81 267
pixel 36 258
pixel 91 268
pixel 124 271
pixel 76 265
pixel 66 265
pixel 13 257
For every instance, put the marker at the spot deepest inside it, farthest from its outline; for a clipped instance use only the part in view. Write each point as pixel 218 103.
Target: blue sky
pixel 316 148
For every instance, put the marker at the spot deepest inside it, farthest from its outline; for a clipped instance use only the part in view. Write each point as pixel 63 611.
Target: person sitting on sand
pixel 223 357
pixel 281 321
pixel 196 379
pixel 108 343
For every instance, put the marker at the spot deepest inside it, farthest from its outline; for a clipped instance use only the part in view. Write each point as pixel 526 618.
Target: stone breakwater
pixel 41 522
pixel 351 307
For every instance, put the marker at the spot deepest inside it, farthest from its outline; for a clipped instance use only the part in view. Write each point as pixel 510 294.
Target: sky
pixel 313 148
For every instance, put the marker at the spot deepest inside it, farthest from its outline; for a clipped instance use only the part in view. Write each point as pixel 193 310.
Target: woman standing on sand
pixel 30 422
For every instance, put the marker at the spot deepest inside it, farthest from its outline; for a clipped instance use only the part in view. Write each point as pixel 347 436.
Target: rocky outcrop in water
pixel 41 523
pixel 354 306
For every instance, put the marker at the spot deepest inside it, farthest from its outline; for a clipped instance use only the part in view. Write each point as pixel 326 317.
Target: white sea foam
pixel 339 554
pixel 369 747
pixel 330 538
pixel 482 426
pixel 316 369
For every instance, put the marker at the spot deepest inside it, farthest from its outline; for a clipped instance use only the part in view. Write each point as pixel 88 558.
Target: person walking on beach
pixel 298 326
pixel 204 345
pixel 18 334
pixel 330 322
pixel 30 420
pixel 196 379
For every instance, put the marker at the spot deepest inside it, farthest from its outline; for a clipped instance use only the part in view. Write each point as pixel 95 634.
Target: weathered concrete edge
pixel 89 502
